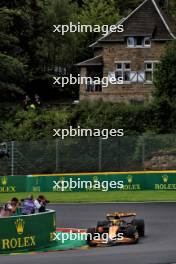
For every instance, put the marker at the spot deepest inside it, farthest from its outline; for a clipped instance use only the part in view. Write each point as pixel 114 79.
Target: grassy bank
pixel 127 196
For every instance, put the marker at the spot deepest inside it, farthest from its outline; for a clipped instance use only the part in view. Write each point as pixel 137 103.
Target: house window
pixel 138 42
pixel 147 42
pixel 123 69
pixel 93 87
pixel 131 42
pixel 90 87
pixel 150 67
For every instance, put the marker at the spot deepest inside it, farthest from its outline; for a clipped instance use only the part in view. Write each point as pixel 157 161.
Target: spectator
pixel 28 206
pixel 40 203
pixel 26 102
pixel 37 99
pixel 10 207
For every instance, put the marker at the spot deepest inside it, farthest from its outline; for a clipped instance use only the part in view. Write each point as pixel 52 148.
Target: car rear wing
pixel 118 215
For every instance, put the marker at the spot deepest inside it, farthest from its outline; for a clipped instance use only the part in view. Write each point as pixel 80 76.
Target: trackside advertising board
pixel 13 184
pixel 30 232
pixel 127 181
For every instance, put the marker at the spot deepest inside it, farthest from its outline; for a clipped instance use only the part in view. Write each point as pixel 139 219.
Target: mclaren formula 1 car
pixel 119 228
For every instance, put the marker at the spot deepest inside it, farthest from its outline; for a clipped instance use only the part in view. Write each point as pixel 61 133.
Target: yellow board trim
pixel 101 173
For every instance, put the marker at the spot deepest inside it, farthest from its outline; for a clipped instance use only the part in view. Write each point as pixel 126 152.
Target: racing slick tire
pixel 90 235
pixel 140 226
pixel 131 232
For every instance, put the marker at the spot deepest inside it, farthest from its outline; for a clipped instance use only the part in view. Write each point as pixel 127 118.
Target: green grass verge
pixel 127 196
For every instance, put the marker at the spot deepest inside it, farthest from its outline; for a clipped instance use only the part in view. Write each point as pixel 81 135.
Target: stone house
pixel 132 54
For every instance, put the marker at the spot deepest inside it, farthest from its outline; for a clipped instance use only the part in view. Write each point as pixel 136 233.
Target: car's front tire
pixel 90 235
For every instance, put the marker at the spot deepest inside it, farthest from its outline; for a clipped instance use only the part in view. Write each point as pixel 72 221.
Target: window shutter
pixel 141 77
pixel 111 76
pixel 133 77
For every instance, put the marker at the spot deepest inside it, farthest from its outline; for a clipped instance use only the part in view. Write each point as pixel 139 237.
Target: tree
pixel 95 12
pixel 163 106
pixel 21 43
pixel 127 6
pixel 12 77
pixel 27 37
pixel 165 76
pixel 60 48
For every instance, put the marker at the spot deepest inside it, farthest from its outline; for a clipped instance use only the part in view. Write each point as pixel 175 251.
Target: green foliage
pixel 21 41
pixel 165 76
pixel 127 6
pixel 163 116
pixel 95 12
pixel 172 8
pixel 34 124
pixel 39 124
pixel 163 107
pixel 26 35
pixel 60 49
pixel 29 50
pixel 12 76
pixel 99 12
pixel 108 115
pixel 148 144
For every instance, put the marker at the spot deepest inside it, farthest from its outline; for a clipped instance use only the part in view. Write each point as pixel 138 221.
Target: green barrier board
pixel 131 181
pixel 103 182
pixel 70 243
pixel 30 232
pixel 13 184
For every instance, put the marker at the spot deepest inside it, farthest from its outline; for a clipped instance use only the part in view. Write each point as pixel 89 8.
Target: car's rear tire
pixel 140 226
pixel 131 232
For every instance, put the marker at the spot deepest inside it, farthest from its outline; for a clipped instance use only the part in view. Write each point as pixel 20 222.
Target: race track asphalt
pixel 158 246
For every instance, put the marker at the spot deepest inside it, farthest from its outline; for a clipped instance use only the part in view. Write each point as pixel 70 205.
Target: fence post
pixel 12 158
pixel 143 153
pixel 100 155
pixel 56 155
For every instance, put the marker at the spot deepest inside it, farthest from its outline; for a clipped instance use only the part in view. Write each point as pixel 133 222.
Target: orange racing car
pixel 119 228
